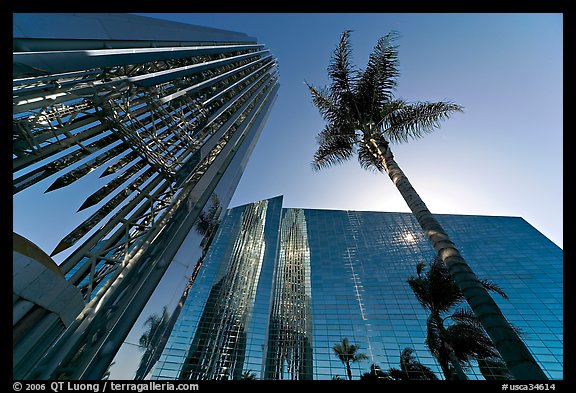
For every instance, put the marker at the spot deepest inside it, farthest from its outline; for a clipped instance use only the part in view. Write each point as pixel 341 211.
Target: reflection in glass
pixel 219 346
pixel 289 342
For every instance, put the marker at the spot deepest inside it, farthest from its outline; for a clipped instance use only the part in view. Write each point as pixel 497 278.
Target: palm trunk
pixel 454 361
pixel 349 371
pixel 512 349
pixel 446 353
pixel 143 367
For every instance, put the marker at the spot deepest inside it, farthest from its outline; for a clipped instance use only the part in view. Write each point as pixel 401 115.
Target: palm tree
pixel 150 340
pixel 455 345
pixel 248 375
pixel 364 118
pixel 375 374
pixel 347 353
pixel 410 368
pixel 208 223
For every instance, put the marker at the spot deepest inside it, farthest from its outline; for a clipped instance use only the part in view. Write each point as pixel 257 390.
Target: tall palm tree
pixel 455 344
pixel 364 118
pixel 347 353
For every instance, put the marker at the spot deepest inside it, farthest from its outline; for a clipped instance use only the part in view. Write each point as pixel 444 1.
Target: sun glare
pixel 409 237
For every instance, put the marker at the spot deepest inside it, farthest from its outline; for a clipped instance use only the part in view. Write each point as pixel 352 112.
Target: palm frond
pixel 391 107
pixel 377 83
pixel 490 286
pixel 469 317
pixel 412 368
pixel 335 147
pixel 340 130
pixel 412 121
pixel 465 316
pixel 359 356
pixel 420 267
pixel 342 350
pixel 203 224
pixel 341 70
pixel 215 208
pixel 407 357
pixel 469 341
pixel 444 292
pixel 435 289
pixel 144 341
pixel 420 288
pixel 322 101
pixel 347 352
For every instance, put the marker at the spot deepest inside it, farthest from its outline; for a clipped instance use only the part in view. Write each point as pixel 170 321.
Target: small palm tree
pixel 464 339
pixel 375 374
pixel 248 375
pixel 410 368
pixel 347 353
pixel 150 340
pixel 363 118
pixel 208 223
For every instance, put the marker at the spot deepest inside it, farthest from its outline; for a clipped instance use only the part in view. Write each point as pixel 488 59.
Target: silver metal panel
pixel 112 26
pixel 66 61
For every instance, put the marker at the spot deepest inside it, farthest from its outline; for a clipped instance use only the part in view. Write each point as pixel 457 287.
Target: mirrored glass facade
pixel 343 274
pixel 289 354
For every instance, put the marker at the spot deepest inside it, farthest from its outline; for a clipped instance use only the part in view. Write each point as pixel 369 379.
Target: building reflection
pixel 219 345
pixel 289 353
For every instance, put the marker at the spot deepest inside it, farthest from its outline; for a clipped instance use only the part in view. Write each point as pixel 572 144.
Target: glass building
pixel 140 125
pixel 313 277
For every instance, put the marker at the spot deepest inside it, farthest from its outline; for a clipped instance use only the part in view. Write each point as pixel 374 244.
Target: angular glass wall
pixel 219 345
pixel 220 332
pixel 289 353
pixel 360 262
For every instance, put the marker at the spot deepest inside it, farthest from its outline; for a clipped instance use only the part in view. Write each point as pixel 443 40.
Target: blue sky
pixel 502 156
